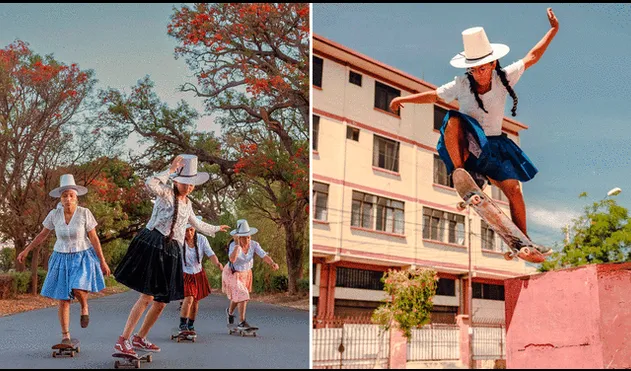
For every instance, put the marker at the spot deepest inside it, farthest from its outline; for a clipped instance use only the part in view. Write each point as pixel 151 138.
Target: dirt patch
pixel 300 301
pixel 26 302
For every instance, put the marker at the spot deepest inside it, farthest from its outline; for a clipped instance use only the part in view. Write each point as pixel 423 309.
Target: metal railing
pixel 434 342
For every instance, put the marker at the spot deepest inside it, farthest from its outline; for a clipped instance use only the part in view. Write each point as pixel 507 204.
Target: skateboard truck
pixel 129 361
pixel 65 350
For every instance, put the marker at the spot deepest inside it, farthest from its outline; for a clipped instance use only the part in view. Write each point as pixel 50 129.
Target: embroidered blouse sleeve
pixel 90 221
pixel 157 184
pixel 201 226
pixel 258 250
pixel 449 91
pixel 514 71
pixel 49 223
pixel 205 245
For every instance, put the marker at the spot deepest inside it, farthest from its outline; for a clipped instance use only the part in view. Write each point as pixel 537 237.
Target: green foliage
pixel 7 259
pixel 601 235
pixel 21 281
pixel 303 285
pixel 114 252
pixel 411 292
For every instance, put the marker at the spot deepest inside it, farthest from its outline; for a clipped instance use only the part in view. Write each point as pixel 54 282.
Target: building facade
pixel 382 198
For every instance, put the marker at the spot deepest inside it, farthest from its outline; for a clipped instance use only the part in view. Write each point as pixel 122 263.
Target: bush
pixel 303 285
pixel 7 259
pixel 21 282
pixel 280 283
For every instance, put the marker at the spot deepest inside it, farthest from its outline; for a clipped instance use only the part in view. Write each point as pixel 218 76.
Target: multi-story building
pixel 382 198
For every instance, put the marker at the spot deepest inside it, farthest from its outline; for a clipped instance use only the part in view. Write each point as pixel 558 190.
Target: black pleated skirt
pixel 153 267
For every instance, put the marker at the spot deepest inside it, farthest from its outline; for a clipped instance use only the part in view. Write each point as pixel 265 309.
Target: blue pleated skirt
pixel 496 157
pixel 68 271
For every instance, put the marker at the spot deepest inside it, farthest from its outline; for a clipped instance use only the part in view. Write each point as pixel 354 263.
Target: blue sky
pixel 121 42
pixel 574 100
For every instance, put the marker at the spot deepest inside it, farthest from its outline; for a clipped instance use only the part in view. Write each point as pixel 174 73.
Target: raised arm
pixel 157 183
pixel 427 97
pixel 535 53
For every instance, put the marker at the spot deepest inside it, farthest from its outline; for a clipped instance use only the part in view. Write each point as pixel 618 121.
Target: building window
pixel 320 199
pixel 384 94
pixel 442 226
pixel 385 154
pixel 314 269
pixel 497 194
pixel 358 278
pixel 446 287
pixel 439 116
pixel 316 130
pixel 390 214
pixel 352 133
pixel 440 173
pixel 355 78
pixel 488 237
pixel 487 291
pixel 317 71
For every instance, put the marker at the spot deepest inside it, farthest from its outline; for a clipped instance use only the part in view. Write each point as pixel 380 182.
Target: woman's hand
pixel 554 22
pixel 176 164
pixel 220 266
pixel 224 228
pixel 275 266
pixel 395 104
pixel 105 269
pixel 22 256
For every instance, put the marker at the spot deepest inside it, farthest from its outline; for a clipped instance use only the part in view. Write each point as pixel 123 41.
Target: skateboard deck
pixel 129 361
pixel 64 350
pixel 520 245
pixel 234 329
pixel 183 335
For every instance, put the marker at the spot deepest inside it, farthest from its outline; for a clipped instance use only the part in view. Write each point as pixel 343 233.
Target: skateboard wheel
pixel 116 364
pixel 178 339
pixel 476 200
pixel 71 354
pixel 242 334
pixel 508 255
pixel 461 206
pixel 149 358
pixel 137 363
pixel 525 250
pixel 254 334
pixel 78 349
pixel 54 354
pixel 193 340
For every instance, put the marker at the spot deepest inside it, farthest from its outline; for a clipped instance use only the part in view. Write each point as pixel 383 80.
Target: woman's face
pixel 482 74
pixel 184 189
pixel 244 240
pixel 69 198
pixel 190 233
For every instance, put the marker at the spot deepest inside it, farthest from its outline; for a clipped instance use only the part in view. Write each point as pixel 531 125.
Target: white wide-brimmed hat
pixel 189 225
pixel 477 49
pixel 67 182
pixel 243 229
pixel 188 173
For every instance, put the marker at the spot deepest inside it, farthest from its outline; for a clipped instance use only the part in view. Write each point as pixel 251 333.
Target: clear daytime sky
pixel 121 42
pixel 574 100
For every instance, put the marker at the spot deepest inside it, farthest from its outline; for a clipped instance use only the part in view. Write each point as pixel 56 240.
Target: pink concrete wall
pixel 615 303
pixel 571 318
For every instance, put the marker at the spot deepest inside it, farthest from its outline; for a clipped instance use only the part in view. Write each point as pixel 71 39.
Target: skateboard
pixel 129 361
pixel 180 335
pixel 64 350
pixel 520 245
pixel 234 329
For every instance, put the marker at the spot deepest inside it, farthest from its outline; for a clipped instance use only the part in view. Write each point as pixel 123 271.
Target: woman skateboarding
pixel 472 138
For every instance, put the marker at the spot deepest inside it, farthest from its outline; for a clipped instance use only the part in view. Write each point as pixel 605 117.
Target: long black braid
pixel 473 86
pixel 175 210
pixel 502 74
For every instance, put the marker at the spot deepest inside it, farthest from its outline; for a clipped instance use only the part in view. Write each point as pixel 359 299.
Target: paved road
pixel 281 342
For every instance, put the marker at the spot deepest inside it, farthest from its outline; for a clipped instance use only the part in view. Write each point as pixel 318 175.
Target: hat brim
pixel 198 179
pixel 249 233
pixel 81 190
pixel 499 50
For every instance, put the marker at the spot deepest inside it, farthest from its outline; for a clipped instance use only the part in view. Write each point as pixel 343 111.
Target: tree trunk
pixel 294 250
pixel 34 263
pixel 20 244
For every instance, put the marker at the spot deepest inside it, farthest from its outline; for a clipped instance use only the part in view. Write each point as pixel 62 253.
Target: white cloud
pixel 551 219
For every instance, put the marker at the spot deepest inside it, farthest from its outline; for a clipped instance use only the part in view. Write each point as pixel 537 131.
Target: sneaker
pixel 244 325
pixel 191 328
pixel 230 317
pixel 479 179
pixel 124 347
pixel 144 344
pixel 183 327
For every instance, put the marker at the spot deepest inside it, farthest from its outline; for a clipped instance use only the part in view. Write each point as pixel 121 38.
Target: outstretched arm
pixel 427 97
pixel 535 54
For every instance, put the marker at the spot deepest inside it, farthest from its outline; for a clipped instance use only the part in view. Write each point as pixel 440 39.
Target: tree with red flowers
pixel 251 62
pixel 39 101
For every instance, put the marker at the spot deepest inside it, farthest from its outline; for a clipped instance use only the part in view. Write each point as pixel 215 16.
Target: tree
pixel 601 235
pixel 411 292
pixel 252 67
pixel 39 97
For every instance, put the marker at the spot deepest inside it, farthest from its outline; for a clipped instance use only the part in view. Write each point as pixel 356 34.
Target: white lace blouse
pixel 162 215
pixel 190 263
pixel 71 237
